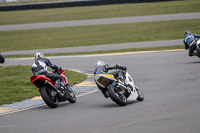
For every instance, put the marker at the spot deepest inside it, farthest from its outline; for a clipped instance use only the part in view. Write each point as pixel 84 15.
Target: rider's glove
pixel 122 67
pixel 60 68
pixel 196 36
pixel 117 66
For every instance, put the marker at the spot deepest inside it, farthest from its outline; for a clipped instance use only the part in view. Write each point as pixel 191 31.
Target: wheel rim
pixel 71 93
pixel 120 95
pixel 52 95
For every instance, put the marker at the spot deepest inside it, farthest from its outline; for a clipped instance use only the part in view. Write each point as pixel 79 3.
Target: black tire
pixel 140 95
pixel 2 60
pixel 116 96
pixel 72 96
pixel 48 98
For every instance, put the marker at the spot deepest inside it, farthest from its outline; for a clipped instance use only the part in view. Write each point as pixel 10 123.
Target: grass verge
pixel 95 12
pixel 96 35
pixel 30 2
pixel 16 85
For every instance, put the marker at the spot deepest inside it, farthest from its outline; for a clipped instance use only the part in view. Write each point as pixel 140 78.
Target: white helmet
pixel 99 63
pixel 38 55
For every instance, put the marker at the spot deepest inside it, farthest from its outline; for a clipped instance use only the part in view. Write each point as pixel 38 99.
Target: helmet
pixel 187 32
pixel 38 55
pixel 99 63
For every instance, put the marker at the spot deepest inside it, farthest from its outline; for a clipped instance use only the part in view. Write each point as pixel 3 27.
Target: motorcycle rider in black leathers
pixel 39 67
pixel 102 68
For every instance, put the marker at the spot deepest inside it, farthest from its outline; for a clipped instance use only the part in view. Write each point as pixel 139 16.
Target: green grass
pixel 96 35
pixel 30 1
pixel 95 12
pixel 16 85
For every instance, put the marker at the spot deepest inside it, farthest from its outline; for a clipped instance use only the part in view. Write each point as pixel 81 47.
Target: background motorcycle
pixel 2 60
pixel 117 91
pixel 50 94
pixel 197 50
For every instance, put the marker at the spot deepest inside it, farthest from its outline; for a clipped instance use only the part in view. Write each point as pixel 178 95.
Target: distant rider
pixel 102 68
pixel 2 60
pixel 190 42
pixel 39 67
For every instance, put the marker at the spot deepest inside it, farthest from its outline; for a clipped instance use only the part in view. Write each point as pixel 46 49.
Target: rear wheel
pixel 117 96
pixel 72 96
pixel 49 96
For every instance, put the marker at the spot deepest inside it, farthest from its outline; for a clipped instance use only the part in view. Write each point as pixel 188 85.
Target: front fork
pixel 122 89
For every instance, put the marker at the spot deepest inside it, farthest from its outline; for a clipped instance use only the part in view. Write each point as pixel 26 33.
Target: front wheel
pixel 49 97
pixel 72 96
pixel 140 95
pixel 2 60
pixel 117 96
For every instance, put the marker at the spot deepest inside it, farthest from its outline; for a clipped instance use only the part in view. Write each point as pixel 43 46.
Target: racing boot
pixel 105 93
pixel 122 79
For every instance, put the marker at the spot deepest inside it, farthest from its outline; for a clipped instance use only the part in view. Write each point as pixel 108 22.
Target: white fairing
pixel 198 41
pixel 197 44
pixel 96 77
pixel 129 80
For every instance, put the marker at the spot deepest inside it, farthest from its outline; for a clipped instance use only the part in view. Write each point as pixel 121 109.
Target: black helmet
pixel 187 32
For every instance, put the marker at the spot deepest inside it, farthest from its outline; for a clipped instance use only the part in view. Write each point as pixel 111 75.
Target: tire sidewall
pixel 47 99
pixel 115 97
pixel 2 60
pixel 140 95
pixel 70 98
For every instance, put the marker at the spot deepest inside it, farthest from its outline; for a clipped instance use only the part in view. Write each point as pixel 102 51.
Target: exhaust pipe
pixel 53 87
pixel 122 86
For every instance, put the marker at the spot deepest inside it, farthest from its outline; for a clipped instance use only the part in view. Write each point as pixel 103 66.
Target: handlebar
pixel 58 71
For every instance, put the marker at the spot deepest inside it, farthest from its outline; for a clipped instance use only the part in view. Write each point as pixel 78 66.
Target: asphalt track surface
pixel 169 81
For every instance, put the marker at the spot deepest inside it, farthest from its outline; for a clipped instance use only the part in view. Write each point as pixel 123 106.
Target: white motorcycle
pixel 197 50
pixel 119 92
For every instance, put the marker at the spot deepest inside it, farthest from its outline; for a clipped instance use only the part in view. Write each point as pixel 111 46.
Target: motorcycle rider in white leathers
pixel 102 68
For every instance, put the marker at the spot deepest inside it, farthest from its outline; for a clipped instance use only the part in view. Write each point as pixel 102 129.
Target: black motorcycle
pixel 2 60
